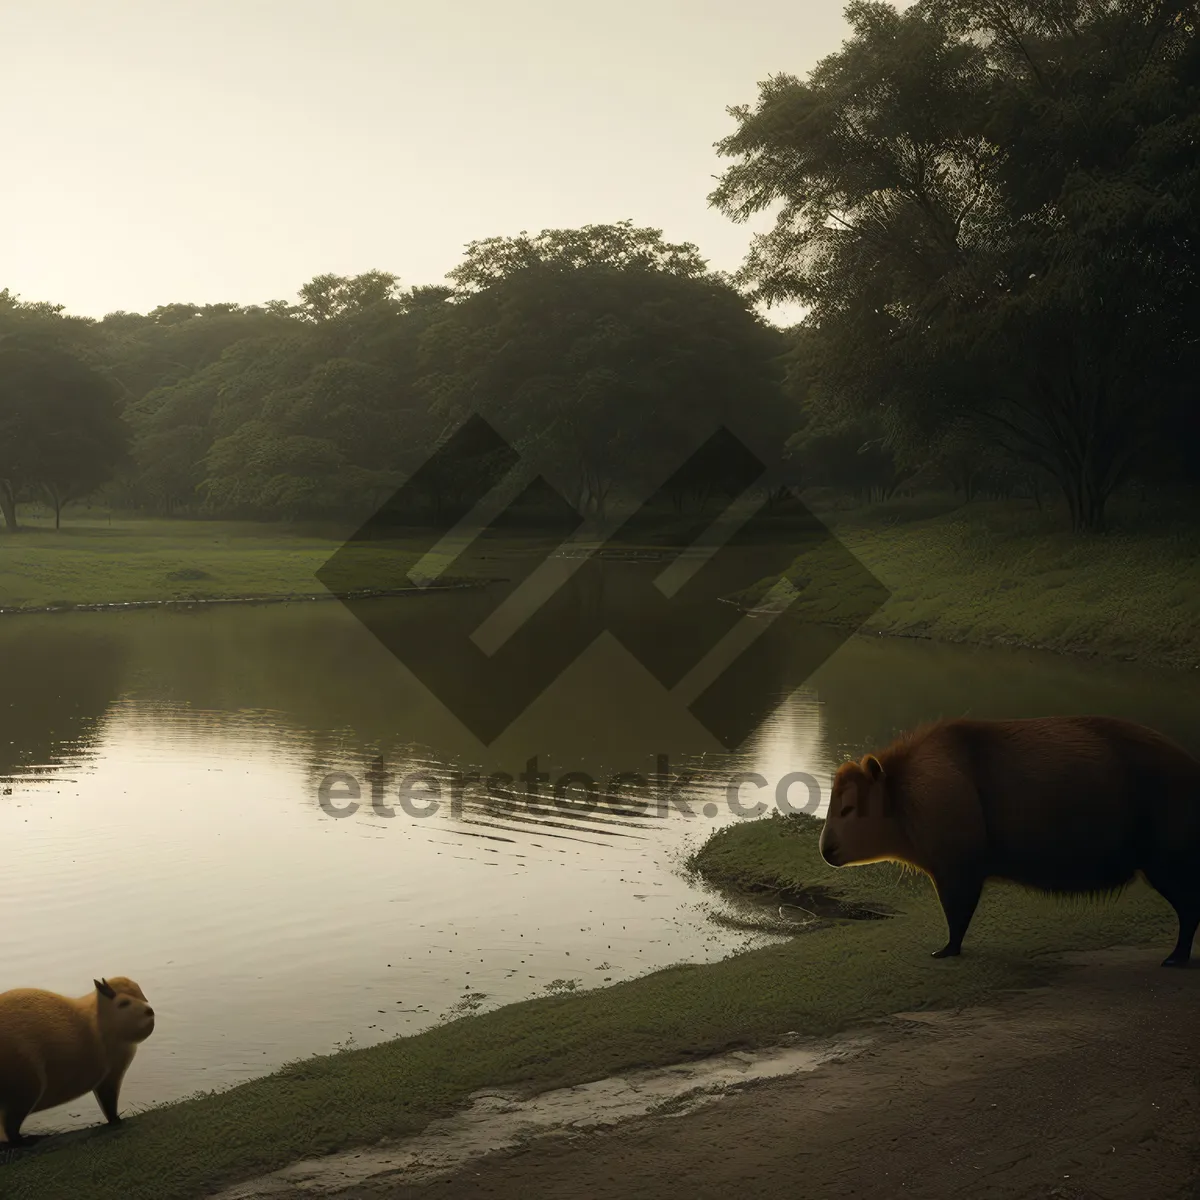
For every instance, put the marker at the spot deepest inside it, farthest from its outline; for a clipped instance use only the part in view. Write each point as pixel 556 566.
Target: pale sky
pixel 156 151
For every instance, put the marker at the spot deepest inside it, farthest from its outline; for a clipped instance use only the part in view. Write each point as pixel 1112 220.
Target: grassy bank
pixel 831 978
pixel 984 573
pixel 778 855
pixel 98 562
pixel 1006 574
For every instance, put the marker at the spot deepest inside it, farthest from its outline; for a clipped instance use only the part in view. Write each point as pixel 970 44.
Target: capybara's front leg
pixel 106 1095
pixel 959 895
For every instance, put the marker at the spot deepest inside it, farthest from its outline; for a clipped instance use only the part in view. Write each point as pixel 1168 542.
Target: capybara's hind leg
pixel 959 895
pixel 1182 892
pixel 1180 956
pixel 14 1118
pixel 19 1096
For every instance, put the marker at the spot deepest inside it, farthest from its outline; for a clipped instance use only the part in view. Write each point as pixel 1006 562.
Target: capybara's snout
pixel 828 848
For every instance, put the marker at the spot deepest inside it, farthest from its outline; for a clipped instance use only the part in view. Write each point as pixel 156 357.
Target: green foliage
pixel 990 210
pixel 606 352
pixel 851 454
pixel 604 373
pixel 620 245
pixel 326 297
pixel 313 412
pixel 60 429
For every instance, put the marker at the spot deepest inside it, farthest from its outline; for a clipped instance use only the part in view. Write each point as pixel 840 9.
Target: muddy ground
pixel 1086 1090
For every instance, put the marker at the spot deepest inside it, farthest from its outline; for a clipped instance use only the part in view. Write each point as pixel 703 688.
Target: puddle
pixel 790 911
pixel 501 1120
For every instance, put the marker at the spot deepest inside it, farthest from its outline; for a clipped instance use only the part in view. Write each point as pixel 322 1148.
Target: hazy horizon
pixel 232 152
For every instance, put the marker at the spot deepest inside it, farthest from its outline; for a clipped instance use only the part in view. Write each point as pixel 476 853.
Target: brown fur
pixel 1069 805
pixel 54 1049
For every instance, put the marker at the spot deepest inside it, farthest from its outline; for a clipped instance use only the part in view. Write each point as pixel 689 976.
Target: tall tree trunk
pixel 1086 496
pixel 8 505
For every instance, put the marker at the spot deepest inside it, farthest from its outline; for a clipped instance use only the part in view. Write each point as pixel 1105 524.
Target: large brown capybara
pixel 1068 805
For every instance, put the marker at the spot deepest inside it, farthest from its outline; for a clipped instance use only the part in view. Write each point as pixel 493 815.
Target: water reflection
pixel 58 685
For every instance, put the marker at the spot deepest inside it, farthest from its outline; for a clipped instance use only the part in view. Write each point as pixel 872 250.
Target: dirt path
pixel 1088 1090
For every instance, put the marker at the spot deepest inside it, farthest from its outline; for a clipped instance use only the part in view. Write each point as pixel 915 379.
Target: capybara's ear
pixel 873 767
pixel 103 988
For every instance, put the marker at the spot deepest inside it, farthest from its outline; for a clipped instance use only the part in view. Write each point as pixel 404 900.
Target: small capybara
pixel 1068 805
pixel 54 1049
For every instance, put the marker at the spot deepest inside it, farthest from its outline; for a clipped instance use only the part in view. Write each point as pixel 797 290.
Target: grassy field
pixel 837 975
pixel 1005 574
pixel 97 562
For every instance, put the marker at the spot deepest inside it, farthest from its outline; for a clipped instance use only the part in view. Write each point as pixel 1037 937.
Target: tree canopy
pixel 60 428
pixel 990 210
pixel 603 372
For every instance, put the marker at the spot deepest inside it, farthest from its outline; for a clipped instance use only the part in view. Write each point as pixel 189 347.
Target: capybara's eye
pixel 123 1004
pixel 847 810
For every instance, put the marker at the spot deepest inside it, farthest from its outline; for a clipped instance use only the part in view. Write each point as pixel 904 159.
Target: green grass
pixel 820 982
pixel 95 562
pixel 999 573
pixel 780 854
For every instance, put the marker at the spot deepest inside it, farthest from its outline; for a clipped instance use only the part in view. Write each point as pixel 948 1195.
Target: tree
pixel 167 467
pixel 326 297
pixel 989 208
pixel 619 245
pixel 607 370
pixel 322 420
pixel 260 471
pixel 329 444
pixel 60 430
pixel 32 318
pixel 850 455
pixel 1096 107
pixel 143 353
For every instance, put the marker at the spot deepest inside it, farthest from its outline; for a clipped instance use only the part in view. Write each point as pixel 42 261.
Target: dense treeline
pixel 991 207
pixel 600 353
pixel 988 208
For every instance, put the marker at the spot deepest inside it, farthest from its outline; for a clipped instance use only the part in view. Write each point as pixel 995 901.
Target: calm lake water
pixel 160 818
